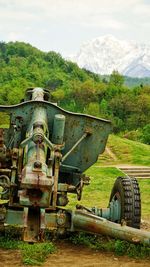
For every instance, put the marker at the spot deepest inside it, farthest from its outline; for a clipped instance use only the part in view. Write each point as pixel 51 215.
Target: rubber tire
pixel 126 190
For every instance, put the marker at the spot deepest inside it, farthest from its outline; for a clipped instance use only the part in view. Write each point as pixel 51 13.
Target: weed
pixel 35 254
pixel 32 254
pixel 119 247
pixel 98 192
pixel 7 243
pixel 126 151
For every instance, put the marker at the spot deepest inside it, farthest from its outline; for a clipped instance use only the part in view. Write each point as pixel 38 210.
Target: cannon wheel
pixel 126 192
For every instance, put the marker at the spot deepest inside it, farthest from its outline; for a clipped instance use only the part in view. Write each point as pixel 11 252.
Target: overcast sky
pixel 63 25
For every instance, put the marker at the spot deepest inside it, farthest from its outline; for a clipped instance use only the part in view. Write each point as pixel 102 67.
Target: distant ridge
pixel 104 54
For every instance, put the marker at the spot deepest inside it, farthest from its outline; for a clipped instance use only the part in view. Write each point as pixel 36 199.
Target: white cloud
pixel 75 8
pixel 142 9
pixel 53 22
pixel 103 21
pixel 17 16
pixel 15 36
pixel 86 12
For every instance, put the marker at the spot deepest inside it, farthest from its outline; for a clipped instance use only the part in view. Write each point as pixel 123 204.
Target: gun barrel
pixel 87 222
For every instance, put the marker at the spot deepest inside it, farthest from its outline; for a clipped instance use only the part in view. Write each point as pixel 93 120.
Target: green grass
pixel 127 152
pixel 145 197
pixel 32 254
pixel 98 192
pixel 103 178
pixel 118 247
pixel 35 254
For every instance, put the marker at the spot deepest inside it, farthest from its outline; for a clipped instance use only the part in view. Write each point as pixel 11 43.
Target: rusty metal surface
pixel 1 138
pixel 32 225
pixel 41 136
pixel 56 174
pixel 82 221
pixel 76 125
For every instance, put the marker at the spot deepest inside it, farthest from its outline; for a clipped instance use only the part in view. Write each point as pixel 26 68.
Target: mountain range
pixel 104 54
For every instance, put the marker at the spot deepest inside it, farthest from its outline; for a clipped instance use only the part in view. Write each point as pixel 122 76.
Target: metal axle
pixel 90 223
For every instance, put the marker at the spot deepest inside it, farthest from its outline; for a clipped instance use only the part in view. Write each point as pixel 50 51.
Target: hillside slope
pixel 74 89
pixel 126 152
pixel 104 173
pixel 23 66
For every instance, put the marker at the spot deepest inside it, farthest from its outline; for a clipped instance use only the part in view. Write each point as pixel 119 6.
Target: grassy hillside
pixel 23 66
pixel 126 152
pixel 73 88
pixel 130 81
pixel 98 192
pixel 103 177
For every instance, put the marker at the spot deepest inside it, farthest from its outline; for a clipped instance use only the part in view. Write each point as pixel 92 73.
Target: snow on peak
pixel 106 53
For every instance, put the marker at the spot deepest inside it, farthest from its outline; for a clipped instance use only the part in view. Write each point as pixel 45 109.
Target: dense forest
pixel 75 89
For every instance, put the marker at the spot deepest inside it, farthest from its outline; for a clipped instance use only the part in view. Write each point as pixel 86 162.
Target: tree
pixel 104 111
pixel 58 95
pixel 146 134
pixel 116 79
pixel 121 106
pixel 85 93
pixel 75 89
pixel 92 109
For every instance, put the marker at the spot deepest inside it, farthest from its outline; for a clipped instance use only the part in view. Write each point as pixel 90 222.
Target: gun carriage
pixel 43 156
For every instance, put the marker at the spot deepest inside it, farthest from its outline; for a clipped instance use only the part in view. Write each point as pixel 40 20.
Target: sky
pixel 63 25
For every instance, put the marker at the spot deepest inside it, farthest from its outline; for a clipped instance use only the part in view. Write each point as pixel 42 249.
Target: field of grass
pixel 118 247
pixel 103 174
pixel 98 192
pixel 126 152
pixel 32 254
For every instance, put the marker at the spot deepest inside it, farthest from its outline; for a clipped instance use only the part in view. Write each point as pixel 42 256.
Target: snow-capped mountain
pixel 105 54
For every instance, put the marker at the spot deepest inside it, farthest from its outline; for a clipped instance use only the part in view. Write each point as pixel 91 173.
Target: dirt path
pixel 69 255
pixel 76 256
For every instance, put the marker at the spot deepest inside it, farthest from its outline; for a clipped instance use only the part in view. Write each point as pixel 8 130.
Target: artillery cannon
pixel 43 156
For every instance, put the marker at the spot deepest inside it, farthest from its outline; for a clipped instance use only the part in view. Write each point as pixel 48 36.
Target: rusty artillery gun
pixel 43 156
